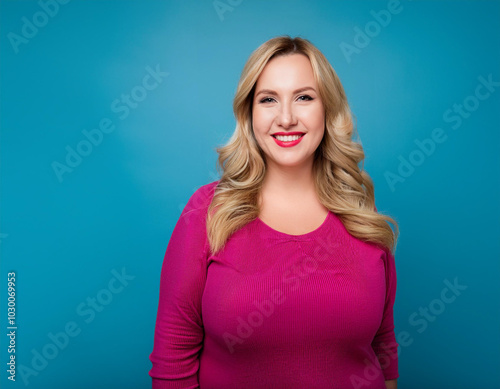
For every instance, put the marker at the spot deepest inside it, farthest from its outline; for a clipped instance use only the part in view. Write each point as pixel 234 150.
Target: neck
pixel 289 182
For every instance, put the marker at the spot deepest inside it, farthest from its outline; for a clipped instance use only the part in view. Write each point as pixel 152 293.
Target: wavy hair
pixel 342 186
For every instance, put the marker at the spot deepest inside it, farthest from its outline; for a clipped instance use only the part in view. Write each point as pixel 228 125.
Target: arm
pixel 391 384
pixel 178 336
pixel 384 343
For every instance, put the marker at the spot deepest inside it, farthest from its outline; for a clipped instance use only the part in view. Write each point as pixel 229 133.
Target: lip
pixel 288 133
pixel 288 144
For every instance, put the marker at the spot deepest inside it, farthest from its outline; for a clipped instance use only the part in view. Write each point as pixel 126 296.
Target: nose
pixel 285 117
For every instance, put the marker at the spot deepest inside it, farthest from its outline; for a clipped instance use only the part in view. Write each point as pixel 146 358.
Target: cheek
pixel 320 118
pixel 261 120
pixel 314 119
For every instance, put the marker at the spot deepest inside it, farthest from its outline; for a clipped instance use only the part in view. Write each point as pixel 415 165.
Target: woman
pixel 281 274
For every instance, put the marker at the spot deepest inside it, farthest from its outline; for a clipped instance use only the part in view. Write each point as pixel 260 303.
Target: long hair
pixel 342 186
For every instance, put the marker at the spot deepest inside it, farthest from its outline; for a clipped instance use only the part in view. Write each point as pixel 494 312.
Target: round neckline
pixel 307 235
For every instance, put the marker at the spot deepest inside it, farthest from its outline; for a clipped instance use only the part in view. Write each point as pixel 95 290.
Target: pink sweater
pixel 273 310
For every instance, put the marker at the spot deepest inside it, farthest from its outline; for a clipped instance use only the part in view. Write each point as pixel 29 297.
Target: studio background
pixel 96 224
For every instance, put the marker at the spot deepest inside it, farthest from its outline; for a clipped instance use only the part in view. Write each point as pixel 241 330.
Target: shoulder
pixel 388 254
pixel 203 195
pixel 206 191
pixel 200 200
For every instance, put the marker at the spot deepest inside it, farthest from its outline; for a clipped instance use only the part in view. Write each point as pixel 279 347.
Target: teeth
pixel 287 138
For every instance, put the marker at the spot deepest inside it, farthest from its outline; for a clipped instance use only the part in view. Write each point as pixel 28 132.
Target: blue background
pixel 117 208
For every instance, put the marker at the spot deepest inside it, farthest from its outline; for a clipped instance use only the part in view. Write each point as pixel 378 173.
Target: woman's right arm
pixel 178 336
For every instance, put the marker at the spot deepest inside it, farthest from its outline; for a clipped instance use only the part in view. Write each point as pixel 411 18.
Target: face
pixel 288 114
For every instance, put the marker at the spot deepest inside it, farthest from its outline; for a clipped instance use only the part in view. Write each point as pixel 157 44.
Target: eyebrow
pixel 271 92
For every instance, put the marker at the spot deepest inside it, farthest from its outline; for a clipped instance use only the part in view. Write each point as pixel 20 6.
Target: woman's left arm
pixel 391 384
pixel 384 343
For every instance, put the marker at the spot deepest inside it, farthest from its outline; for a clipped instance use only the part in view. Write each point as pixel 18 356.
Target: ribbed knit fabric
pixel 273 310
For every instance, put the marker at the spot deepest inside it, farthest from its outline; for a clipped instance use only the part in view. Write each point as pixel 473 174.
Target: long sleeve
pixel 384 343
pixel 179 331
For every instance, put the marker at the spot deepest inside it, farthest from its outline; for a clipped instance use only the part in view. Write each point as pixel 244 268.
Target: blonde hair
pixel 342 186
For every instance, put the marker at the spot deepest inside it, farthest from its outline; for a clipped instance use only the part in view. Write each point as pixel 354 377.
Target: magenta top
pixel 273 310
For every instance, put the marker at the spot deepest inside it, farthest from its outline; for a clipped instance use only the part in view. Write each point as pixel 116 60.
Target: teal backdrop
pixel 110 112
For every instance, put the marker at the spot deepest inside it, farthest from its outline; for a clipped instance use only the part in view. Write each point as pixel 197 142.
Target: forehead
pixel 287 72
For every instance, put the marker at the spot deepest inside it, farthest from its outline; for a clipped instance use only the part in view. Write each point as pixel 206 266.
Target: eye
pixel 305 98
pixel 266 100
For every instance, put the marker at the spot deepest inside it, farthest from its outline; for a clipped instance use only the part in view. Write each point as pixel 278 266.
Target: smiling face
pixel 287 102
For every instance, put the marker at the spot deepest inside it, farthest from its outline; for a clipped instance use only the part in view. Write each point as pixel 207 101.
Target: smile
pixel 287 140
